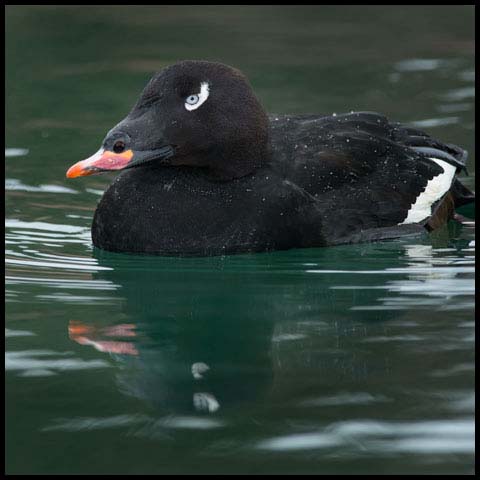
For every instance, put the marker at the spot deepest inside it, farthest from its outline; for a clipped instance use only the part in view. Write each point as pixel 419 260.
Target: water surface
pixel 354 359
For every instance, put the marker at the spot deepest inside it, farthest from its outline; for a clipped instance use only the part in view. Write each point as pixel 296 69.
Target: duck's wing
pixel 365 173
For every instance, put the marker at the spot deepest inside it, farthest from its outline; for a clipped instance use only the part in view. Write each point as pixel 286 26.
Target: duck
pixel 204 170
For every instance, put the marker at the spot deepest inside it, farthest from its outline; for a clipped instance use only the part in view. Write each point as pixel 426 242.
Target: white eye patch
pixel 192 102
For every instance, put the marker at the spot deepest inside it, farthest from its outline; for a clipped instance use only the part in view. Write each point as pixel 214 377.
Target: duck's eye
pixel 192 99
pixel 192 102
pixel 119 146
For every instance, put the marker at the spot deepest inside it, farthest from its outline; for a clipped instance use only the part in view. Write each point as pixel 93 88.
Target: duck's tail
pixel 461 194
pixel 432 148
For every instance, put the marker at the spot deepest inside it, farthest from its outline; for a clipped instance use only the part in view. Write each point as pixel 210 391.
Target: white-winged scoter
pixel 205 171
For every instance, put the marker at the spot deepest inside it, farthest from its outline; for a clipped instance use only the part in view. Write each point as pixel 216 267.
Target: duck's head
pixel 193 113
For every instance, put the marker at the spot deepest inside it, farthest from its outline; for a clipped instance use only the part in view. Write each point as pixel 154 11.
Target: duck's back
pixel 366 174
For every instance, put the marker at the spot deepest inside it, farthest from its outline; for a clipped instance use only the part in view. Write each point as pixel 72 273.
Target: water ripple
pixel 420 64
pixel 436 436
pixel 150 426
pixel 16 152
pixel 29 363
pixel 435 122
pixel 14 184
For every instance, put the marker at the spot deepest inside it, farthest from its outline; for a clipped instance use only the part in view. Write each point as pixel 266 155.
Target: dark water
pixel 356 359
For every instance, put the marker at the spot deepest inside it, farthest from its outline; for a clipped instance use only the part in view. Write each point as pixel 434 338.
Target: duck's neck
pixel 237 161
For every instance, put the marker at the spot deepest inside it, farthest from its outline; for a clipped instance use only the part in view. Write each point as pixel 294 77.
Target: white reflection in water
pixel 421 64
pixel 14 184
pixel 16 152
pixel 68 266
pixel 61 289
pixel 205 402
pixel 52 282
pixel 394 338
pixel 438 436
pixel 454 370
pixel 36 234
pixel 94 423
pixel 360 398
pixel 149 426
pixel 302 441
pixel 190 422
pixel 286 337
pixel 433 281
pixel 454 107
pixel 434 122
pixel 18 333
pixel 199 369
pixel 28 363
pixel 94 191
pixel 459 94
pixel 51 227
pixel 28 237
pixel 76 299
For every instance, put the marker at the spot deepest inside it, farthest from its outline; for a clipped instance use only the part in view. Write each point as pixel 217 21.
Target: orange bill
pixel 103 160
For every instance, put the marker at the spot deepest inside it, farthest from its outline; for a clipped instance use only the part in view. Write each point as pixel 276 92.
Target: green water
pixel 347 360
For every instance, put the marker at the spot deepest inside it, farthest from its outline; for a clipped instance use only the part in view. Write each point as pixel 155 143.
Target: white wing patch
pixel 202 97
pixel 434 190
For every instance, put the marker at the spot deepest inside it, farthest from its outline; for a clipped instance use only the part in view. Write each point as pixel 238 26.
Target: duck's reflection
pixel 197 337
pixel 208 334
pixel 85 334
